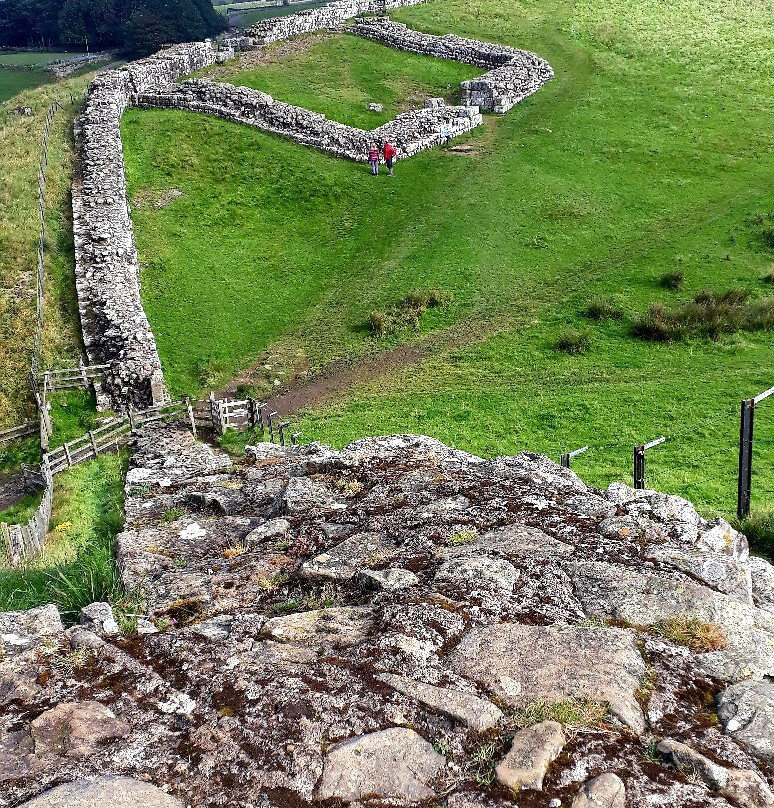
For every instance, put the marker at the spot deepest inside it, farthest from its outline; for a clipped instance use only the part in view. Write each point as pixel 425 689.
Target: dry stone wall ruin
pixel 410 132
pixel 115 327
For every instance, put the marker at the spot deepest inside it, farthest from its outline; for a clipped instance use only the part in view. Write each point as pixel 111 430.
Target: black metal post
pixel 565 460
pixel 745 458
pixel 639 467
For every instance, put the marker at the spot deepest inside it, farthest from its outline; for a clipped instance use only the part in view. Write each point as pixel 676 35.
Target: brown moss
pixel 692 633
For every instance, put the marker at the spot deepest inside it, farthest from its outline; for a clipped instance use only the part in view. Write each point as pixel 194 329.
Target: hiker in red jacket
pixel 389 157
pixel 373 158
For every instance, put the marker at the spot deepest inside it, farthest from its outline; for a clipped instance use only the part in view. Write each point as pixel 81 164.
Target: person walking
pixel 389 157
pixel 373 158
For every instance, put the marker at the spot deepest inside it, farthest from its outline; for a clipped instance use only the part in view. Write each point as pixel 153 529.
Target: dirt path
pixel 342 375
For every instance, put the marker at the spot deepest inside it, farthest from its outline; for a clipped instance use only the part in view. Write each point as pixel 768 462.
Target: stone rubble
pixel 262 685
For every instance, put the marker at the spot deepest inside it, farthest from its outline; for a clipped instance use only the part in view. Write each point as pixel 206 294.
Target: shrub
pixel 708 315
pixel 603 308
pixel 573 342
pixel 693 633
pixel 408 313
pixel 672 280
pixel 768 275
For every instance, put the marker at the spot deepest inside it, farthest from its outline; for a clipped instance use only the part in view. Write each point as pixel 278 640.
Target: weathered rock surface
pixel 532 751
pixel 115 792
pixel 21 631
pixel 522 664
pixel 99 618
pixel 477 713
pixel 605 791
pixel 482 604
pixel 746 711
pixel 395 764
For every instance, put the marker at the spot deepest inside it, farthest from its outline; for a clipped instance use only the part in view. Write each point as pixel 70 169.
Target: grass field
pixel 356 72
pixel 243 19
pixel 650 152
pixel 13 82
pixel 77 566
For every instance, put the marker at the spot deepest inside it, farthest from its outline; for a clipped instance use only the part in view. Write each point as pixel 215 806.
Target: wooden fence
pixel 17 432
pixel 23 542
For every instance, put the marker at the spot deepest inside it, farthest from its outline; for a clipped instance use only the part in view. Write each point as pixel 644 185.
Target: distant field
pixel 13 82
pixel 246 14
pixel 651 152
pixel 355 73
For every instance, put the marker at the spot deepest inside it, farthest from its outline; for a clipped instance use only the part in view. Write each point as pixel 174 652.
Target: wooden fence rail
pixel 16 432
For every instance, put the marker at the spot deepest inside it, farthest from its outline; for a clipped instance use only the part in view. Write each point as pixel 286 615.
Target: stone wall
pixel 514 74
pixel 115 327
pixel 410 132
pixel 329 16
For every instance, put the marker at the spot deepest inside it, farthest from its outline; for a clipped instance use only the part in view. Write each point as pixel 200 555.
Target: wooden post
pixel 93 443
pixel 67 455
pixel 190 415
pixel 84 375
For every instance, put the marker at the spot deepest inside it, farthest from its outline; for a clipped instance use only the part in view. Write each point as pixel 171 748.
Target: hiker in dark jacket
pixel 389 156
pixel 373 158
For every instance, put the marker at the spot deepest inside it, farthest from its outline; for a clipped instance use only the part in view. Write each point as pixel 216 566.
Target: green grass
pixel 649 153
pixel 77 566
pixel 339 76
pixel 35 57
pixel 250 17
pixel 20 139
pixel 22 511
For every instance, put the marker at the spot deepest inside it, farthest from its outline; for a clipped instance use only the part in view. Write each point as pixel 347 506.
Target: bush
pixel 768 275
pixel 603 308
pixel 573 342
pixel 672 280
pixel 708 315
pixel 408 313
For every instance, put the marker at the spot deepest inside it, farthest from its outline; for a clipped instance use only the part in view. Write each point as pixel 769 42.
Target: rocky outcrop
pixel 398 623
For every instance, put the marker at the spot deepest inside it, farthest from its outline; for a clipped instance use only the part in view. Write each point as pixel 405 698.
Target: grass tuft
pixel 574 342
pixel 759 529
pixel 408 313
pixel 692 633
pixel 573 712
pixel 603 308
pixel 672 280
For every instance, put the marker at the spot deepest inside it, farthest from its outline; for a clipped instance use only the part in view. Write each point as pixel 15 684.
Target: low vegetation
pixel 709 315
pixel 759 529
pixel 604 308
pixel 674 280
pixel 408 313
pixel 574 341
pixel 691 632
pixel 77 567
pixel 573 713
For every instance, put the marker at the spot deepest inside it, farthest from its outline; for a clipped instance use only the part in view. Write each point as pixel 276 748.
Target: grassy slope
pixel 13 82
pixel 647 153
pixel 77 567
pixel 19 154
pixel 355 72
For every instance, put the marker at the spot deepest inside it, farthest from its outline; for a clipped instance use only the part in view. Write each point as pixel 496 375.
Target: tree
pixel 94 21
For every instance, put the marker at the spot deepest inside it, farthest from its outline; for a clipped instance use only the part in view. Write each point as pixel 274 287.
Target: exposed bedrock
pixel 396 623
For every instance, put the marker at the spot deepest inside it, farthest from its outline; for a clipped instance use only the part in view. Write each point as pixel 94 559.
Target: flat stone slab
pixel 21 631
pixel 115 792
pixel 470 710
pixel 395 765
pixel 532 751
pixel 521 664
pixel 478 578
pixel 645 598
pixel 520 541
pixel 75 729
pixel 341 626
pixel 746 711
pixel 343 561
